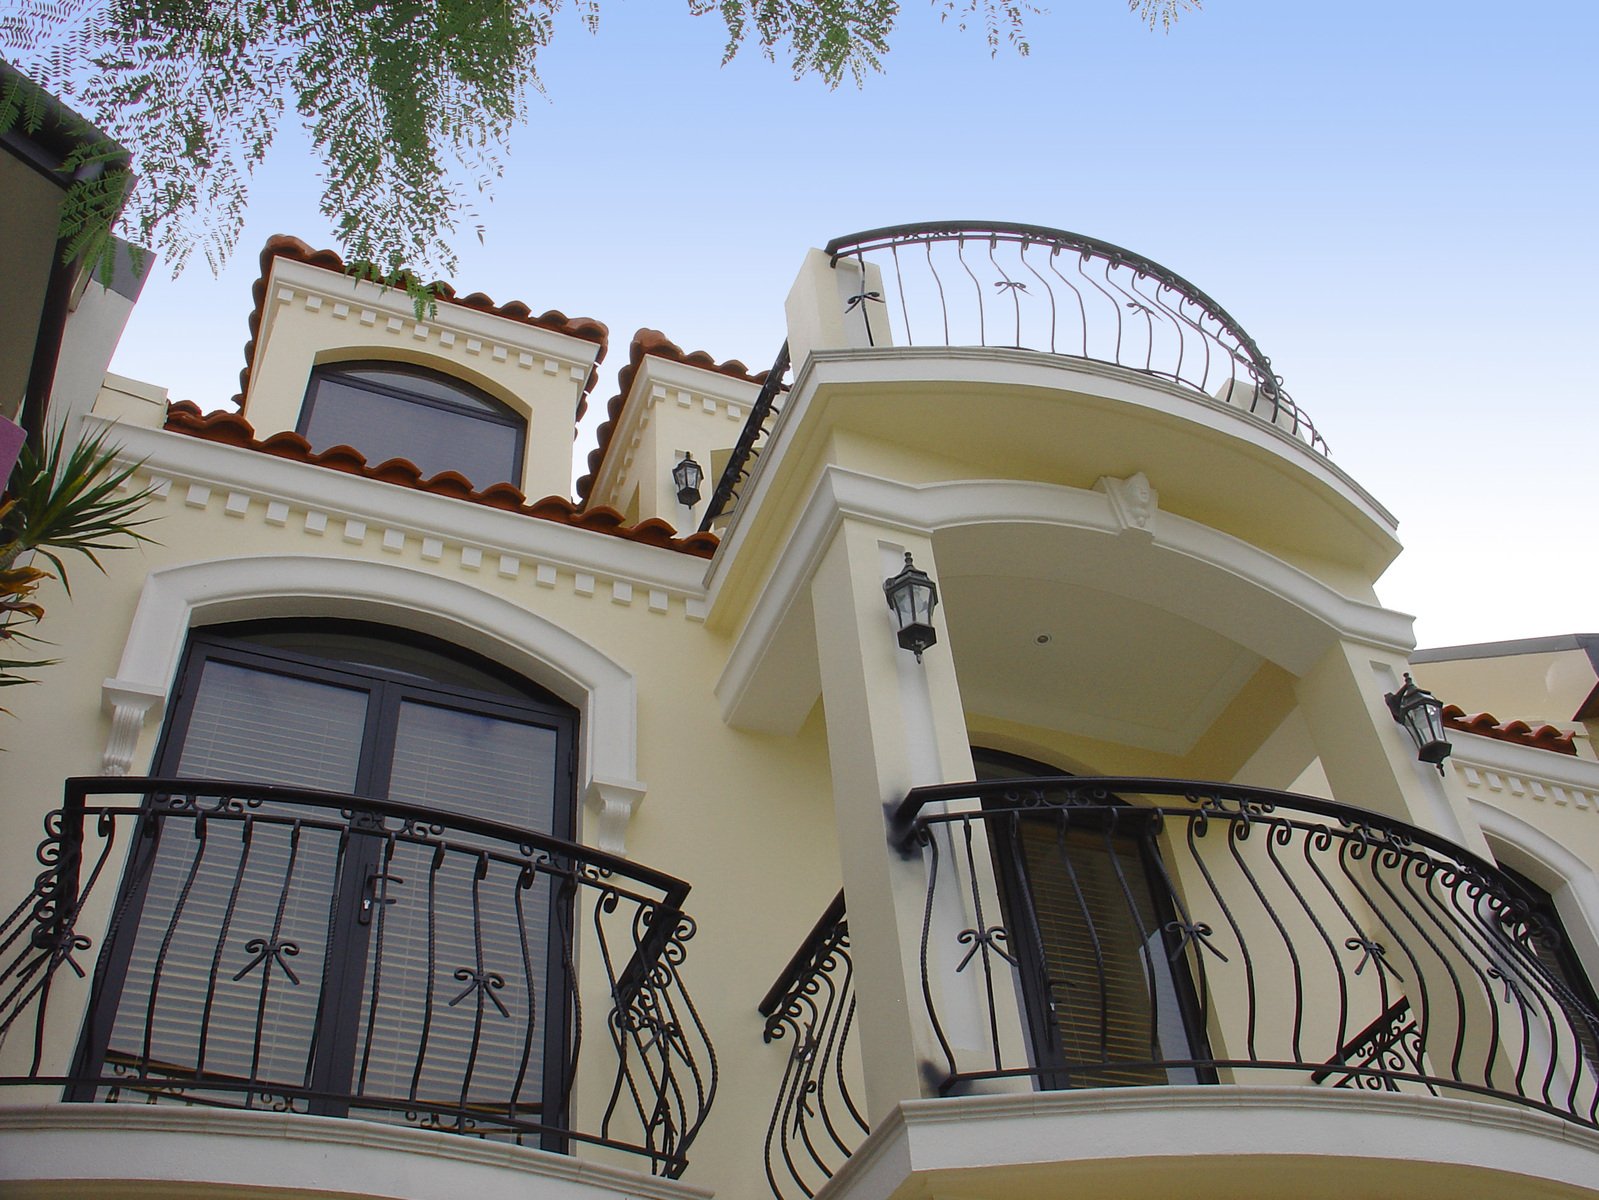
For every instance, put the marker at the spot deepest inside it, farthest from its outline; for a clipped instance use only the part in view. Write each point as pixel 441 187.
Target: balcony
pixel 1156 945
pixel 994 284
pixel 236 949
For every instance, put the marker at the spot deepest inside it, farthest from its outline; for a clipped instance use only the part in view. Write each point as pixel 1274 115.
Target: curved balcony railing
pixel 268 947
pixel 994 283
pixel 816 1124
pixel 1165 931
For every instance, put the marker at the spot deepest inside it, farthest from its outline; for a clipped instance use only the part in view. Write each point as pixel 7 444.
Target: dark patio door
pixel 1108 995
pixel 307 958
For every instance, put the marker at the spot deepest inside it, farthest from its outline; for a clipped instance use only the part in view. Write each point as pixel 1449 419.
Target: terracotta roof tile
pixel 231 429
pixel 1544 737
pixel 283 246
pixel 646 343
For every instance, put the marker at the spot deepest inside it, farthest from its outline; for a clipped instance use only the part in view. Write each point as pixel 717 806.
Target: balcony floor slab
pixel 1218 1143
pixel 119 1150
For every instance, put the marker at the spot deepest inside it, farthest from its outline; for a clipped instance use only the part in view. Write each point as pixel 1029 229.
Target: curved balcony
pixel 1004 285
pixel 1160 937
pixel 298 952
pixel 1173 932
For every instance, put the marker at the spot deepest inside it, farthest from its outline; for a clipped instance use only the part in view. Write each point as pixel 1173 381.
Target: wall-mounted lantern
pixel 687 476
pixel 912 597
pixel 1422 715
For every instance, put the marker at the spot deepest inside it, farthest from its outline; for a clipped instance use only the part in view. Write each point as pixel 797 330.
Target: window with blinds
pixel 1088 916
pixel 236 968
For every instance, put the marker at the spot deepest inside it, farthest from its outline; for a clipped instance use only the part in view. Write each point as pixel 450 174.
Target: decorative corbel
pixel 1133 503
pixel 612 804
pixel 129 704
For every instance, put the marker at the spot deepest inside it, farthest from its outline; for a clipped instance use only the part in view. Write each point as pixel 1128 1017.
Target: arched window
pixel 395 410
pixel 329 956
pixel 1088 912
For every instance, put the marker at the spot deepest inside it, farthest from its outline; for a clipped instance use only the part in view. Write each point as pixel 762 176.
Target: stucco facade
pixel 1145 573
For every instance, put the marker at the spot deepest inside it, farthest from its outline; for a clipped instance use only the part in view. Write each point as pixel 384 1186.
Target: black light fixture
pixel 912 597
pixel 1422 715
pixel 687 475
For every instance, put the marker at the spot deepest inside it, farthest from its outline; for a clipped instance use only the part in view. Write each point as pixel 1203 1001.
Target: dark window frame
pixel 1140 834
pixel 343 992
pixel 498 413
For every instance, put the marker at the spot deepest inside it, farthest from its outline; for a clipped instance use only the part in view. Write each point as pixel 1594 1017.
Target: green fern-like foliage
pixel 66 501
pixel 408 102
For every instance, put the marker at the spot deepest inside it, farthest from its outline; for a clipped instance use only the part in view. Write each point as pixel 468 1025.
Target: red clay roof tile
pixel 231 429
pixel 1544 737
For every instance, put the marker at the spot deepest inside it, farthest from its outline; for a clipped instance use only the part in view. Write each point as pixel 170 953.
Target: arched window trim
pixel 177 598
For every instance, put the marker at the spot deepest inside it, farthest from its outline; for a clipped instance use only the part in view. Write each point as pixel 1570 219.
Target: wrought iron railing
pixel 1166 931
pixel 268 947
pixel 816 1124
pixel 756 426
pixel 994 283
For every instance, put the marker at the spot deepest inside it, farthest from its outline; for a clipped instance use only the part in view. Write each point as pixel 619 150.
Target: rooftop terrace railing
pixel 1166 931
pixel 994 283
pixel 262 947
pixel 1030 287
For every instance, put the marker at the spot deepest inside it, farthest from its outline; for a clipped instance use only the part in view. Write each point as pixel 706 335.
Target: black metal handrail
pixel 275 947
pixel 815 1123
pixel 1109 304
pixel 756 426
pixel 1162 931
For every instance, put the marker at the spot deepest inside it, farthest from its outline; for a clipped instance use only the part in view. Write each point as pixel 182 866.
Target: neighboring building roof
pixel 283 246
pixel 1586 642
pixel 231 429
pixel 650 342
pixel 1543 737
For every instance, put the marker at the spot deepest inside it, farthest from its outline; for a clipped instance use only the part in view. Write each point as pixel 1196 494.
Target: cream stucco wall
pixel 1136 582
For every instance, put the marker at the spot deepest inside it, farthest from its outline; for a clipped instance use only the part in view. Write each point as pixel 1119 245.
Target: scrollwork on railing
pixel 815 1123
pixel 269 947
pixel 1166 931
pixel 996 283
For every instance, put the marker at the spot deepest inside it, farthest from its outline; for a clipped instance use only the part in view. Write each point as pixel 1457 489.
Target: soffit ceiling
pixel 1065 656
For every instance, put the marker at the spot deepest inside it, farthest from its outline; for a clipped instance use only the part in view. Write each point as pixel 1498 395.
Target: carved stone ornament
pixel 1133 502
pixel 611 805
pixel 130 705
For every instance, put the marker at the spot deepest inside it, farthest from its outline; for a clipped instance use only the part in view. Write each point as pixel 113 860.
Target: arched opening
pixel 276 944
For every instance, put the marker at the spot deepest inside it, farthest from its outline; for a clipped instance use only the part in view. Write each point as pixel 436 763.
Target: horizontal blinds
pixel 268 728
pixel 499 769
pixel 1102 951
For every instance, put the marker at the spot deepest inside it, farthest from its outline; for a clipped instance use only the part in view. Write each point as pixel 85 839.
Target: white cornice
pixel 304 487
pixel 391 304
pixel 1489 768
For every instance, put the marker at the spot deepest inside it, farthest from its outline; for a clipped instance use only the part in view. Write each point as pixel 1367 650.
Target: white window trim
pixel 177 598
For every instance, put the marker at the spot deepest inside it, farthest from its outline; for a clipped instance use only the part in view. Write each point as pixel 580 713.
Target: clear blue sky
pixel 1396 200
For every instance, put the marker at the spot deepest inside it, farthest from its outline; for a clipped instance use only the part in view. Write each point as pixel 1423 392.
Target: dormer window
pixel 395 410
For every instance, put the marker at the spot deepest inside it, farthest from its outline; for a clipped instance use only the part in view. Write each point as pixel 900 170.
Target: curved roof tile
pixel 231 429
pixel 1543 737
pixel 281 245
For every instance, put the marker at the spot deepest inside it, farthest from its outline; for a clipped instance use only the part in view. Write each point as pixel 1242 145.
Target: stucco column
pixel 1368 758
pixel 891 725
pixel 838 306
